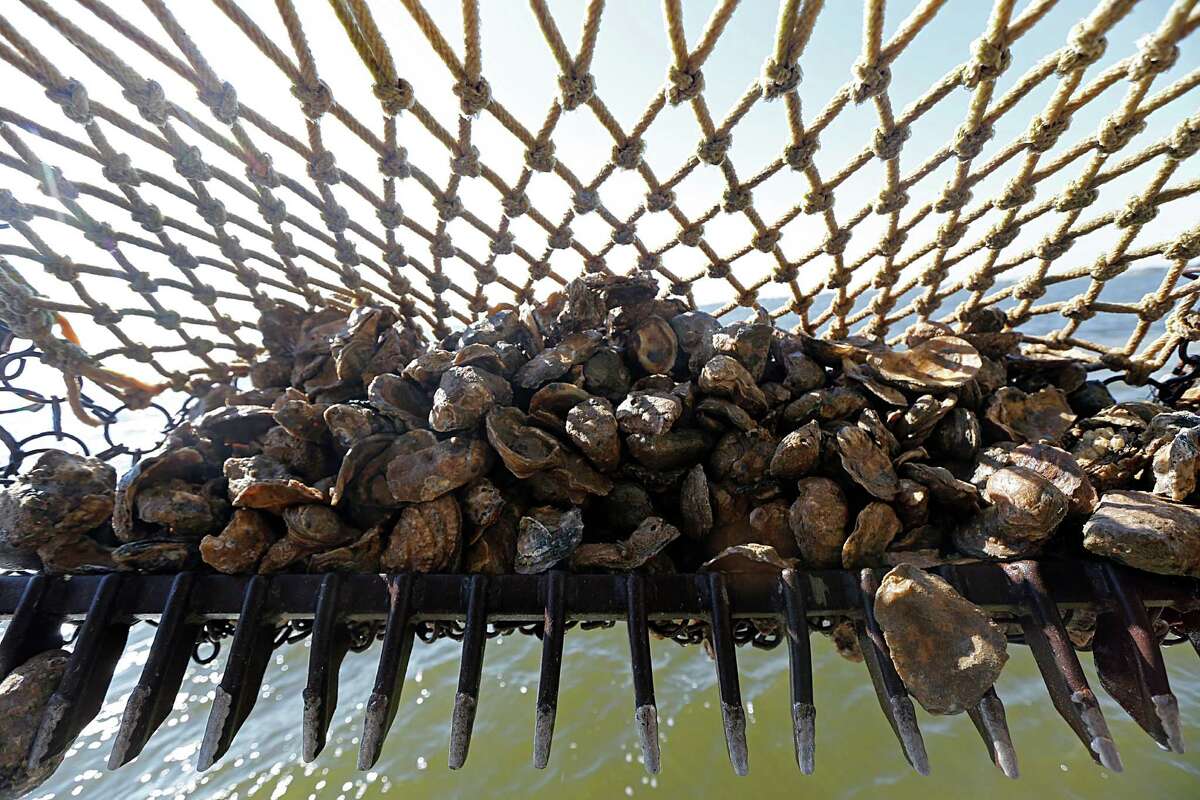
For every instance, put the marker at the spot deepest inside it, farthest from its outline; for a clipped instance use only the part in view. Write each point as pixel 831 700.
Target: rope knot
pixel 390 215
pixel 988 60
pixel 146 214
pixel 780 78
pixel 561 238
pixel 142 283
pixel 260 171
pixel 1077 309
pixel 1029 289
pixel 1083 49
pixel 168 319
pixel 473 96
pixel 892 245
pixel 785 273
pixel 691 235
pixel 151 102
pixel 835 243
pixel 1154 56
pixel 1184 326
pixel 1077 195
pixel 650 262
pixel 819 200
pixel 949 235
pixel 102 235
pixel 54 184
pixel 395 257
pixel 737 198
pixel 714 149
pixel 189 163
pixel 685 85
pixel 659 200
pixel 953 198
pixel 284 245
pixel 1138 211
pixel 980 282
pixel 12 209
pixel 1052 249
pixel 486 274
pixel 1044 134
pixel 575 90
pixel 1001 236
pixel 222 101
pixel 515 204
pixel 441 246
pixel 466 163
pixel 315 98
pixel 72 97
pixel 346 253
pixel 205 295
pixel 503 243
pixel 765 242
pixel 870 80
pixel 891 200
pixel 1184 248
pixel 586 201
pixel 594 265
pixel 680 289
pixel 212 211
pixel 232 249
pixel 629 155
pixel 969 141
pixel 272 209
pixel 748 298
pixel 393 163
pixel 1185 141
pixel 799 156
pixel 226 326
pixel 623 234
pixel 540 157
pixel 439 283
pixel 395 98
pixel 888 141
pixel 62 268
pixel 1152 308
pixel 335 217
pixel 539 270
pixel 839 279
pixel 103 315
pixel 400 285
pixel 1115 133
pixel 322 168
pixel 718 270
pixel 1016 194
pixel 180 258
pixel 1105 269
pixel 449 207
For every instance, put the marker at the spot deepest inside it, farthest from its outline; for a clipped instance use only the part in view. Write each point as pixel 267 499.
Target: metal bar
pixel 398 636
pixel 470 671
pixel 151 701
pixel 31 630
pixel 991 722
pixel 645 711
pixel 81 690
pixel 249 654
pixel 804 710
pixel 1128 659
pixel 553 629
pixel 1055 656
pixel 893 697
pixel 733 715
pixel 330 643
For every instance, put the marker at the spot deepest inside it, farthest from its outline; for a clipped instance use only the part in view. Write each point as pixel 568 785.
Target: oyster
pixel 747 342
pixel 648 412
pixel 748 558
pixel 181 463
pixel 261 482
pixel 1176 465
pixel 553 363
pixel 401 400
pixel 605 375
pixel 695 505
pixel 361 555
pixel 426 538
pixel 350 423
pixel 940 364
pixel 797 453
pixel 874 529
pixel 155 555
pixel 742 456
pixel 726 377
pixel 818 520
pixel 546 537
pixel 1146 532
pixel 464 395
pixel 1025 510
pixel 1043 416
pixel 524 449
pixel 693 333
pixel 238 548
pixel 671 450
pixel 643 544
pixel 550 404
pixel 653 345
pixel 867 464
pixel 592 427
pixel 25 695
pixel 431 472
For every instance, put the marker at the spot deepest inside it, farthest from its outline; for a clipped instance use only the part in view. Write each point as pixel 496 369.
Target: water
pixel 595 748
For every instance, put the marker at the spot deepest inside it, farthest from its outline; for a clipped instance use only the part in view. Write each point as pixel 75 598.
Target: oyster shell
pixel 643 544
pixel 431 472
pixel 401 400
pixel 155 555
pixel 262 482
pixel 797 453
pixel 867 464
pixel 238 548
pixel 182 509
pixel 1145 532
pixel 605 375
pixel 818 520
pixel 748 342
pixel 464 395
pixel 362 555
pixel 940 364
pixel 592 427
pixel 426 538
pixel 550 404
pixel 546 537
pixel 524 449
pixel 25 695
pixel 653 345
pixel 1043 416
pixel 726 377
pixel 648 412
pixel 671 450
pixel 1024 511
pixel 186 463
pixel 874 529
pixel 695 505
pixel 553 363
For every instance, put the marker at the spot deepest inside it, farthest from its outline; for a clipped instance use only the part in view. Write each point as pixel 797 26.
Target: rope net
pixel 378 192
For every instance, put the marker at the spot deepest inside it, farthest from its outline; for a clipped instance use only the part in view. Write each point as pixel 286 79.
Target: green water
pixel 596 753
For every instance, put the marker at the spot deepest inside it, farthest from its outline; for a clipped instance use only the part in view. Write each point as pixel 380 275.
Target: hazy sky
pixel 631 63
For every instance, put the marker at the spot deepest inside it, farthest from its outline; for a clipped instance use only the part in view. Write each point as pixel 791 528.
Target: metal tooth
pixel 249 654
pixel 151 701
pixel 645 712
pixel 732 713
pixel 893 697
pixel 330 643
pixel 1128 660
pixel 804 711
pixel 31 630
pixel 1052 650
pixel 554 583
pixel 470 671
pixel 80 692
pixel 398 639
pixel 1191 627
pixel 992 724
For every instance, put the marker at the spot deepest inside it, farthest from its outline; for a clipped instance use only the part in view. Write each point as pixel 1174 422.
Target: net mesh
pixel 169 262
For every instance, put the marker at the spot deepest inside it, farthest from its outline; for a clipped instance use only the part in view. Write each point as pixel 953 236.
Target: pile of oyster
pixel 609 428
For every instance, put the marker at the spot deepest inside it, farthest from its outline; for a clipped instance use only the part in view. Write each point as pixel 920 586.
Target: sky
pixel 631 62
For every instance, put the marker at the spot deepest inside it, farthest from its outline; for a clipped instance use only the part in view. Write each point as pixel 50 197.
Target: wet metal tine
pixel 893 697
pixel 80 692
pixel 1129 661
pixel 398 639
pixel 470 671
pixel 554 584
pixel 152 699
pixel 330 643
pixel 733 715
pixel 804 711
pixel 1060 668
pixel 31 630
pixel 249 654
pixel 645 712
